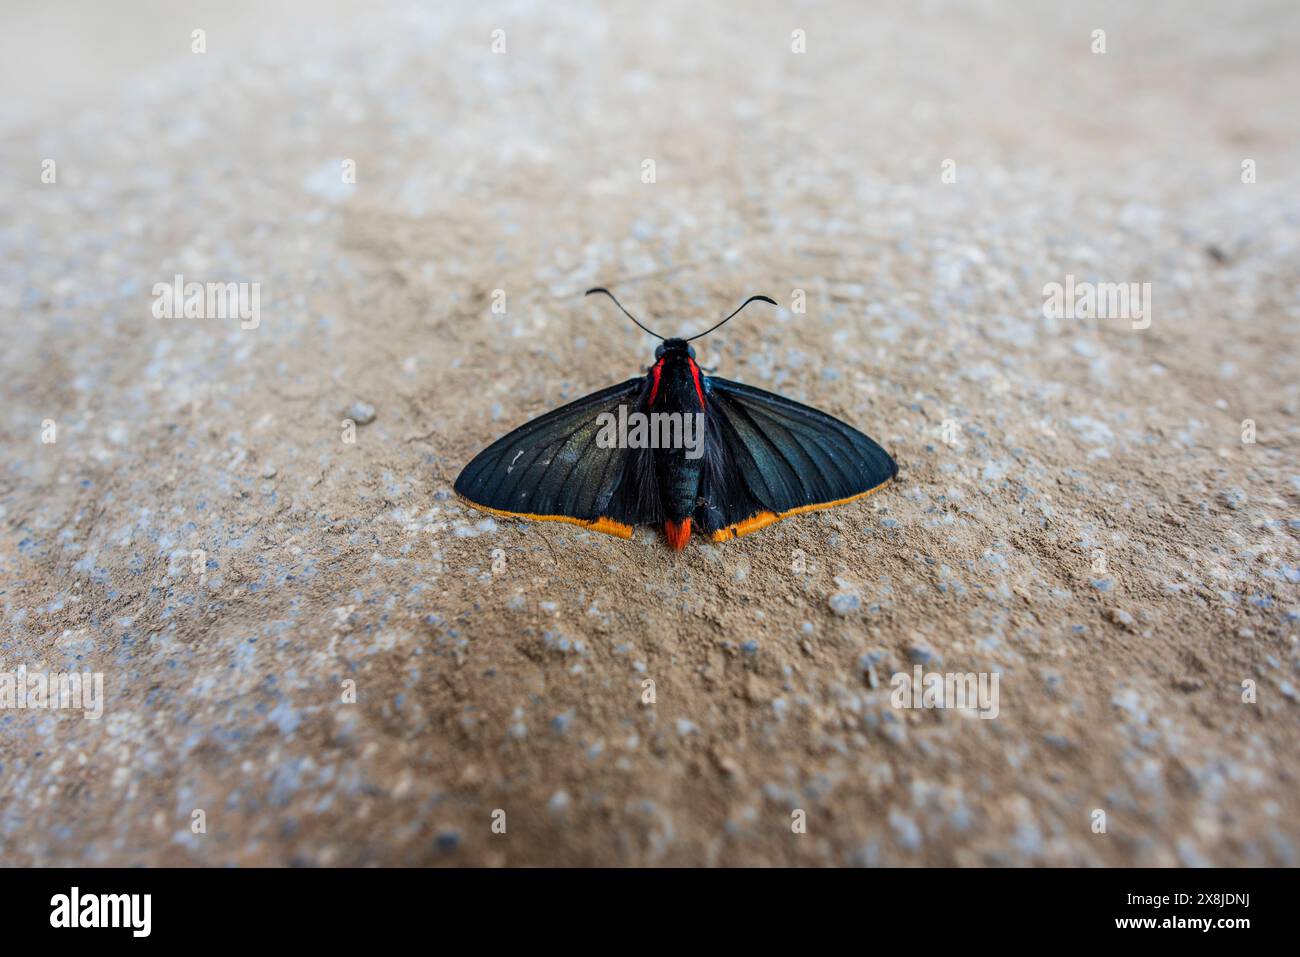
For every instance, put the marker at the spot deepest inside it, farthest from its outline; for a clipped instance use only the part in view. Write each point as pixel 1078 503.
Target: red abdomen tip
pixel 679 533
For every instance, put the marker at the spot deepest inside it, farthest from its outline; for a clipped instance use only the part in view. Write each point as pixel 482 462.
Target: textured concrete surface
pixel 1090 524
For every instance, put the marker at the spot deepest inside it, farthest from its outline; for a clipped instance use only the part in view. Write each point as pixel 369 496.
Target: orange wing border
pixel 606 525
pixel 764 519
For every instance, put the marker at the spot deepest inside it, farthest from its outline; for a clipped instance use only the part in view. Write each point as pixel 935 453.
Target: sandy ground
pixel 1091 527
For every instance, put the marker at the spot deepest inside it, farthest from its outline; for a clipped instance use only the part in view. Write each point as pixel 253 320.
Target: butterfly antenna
pixel 621 309
pixel 741 306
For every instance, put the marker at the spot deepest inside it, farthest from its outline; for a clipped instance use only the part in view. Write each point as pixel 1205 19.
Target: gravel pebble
pixel 362 413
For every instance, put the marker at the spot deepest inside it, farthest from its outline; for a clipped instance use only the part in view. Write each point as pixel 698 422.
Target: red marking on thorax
pixel 654 388
pixel 695 373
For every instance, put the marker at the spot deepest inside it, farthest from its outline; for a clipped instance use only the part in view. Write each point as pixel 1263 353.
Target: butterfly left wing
pixel 553 469
pixel 769 457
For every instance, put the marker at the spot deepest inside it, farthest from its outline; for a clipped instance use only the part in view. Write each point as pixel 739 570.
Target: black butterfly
pixel 763 457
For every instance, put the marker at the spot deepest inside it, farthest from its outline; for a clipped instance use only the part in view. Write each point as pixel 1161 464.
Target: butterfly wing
pixel 768 457
pixel 553 469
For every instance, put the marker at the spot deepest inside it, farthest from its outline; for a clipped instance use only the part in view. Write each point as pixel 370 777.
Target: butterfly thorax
pixel 676 384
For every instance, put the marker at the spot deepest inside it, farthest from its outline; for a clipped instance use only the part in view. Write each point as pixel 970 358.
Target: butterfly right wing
pixel 769 457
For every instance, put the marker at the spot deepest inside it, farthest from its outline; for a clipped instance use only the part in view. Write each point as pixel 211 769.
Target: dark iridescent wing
pixel 769 457
pixel 553 469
